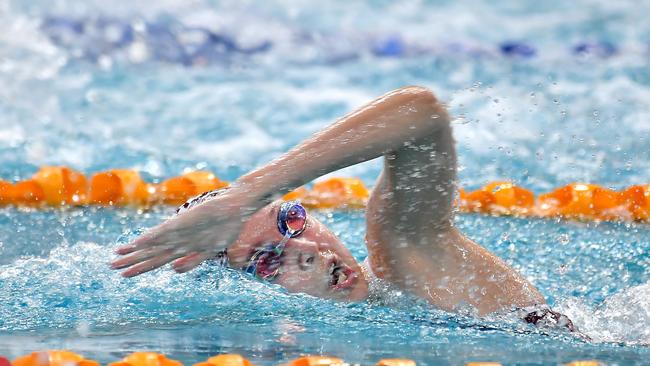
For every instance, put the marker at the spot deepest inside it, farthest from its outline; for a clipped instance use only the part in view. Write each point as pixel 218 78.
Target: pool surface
pixel 544 94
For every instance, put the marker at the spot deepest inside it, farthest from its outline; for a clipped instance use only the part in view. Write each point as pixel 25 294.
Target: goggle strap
pixel 251 268
pixel 278 249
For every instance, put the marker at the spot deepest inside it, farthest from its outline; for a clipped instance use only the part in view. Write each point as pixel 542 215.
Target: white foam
pixel 622 318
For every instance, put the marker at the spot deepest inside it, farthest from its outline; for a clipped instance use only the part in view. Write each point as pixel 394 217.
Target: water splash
pixel 621 318
pixel 89 84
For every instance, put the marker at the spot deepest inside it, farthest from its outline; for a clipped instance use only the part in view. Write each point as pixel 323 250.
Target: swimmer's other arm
pixel 381 126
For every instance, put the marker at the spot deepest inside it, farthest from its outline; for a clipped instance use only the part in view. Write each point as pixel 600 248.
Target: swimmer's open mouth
pixel 341 276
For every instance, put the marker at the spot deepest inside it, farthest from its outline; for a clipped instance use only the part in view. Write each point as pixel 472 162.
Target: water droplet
pixel 563 239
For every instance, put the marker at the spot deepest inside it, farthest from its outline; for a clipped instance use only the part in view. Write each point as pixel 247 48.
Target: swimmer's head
pixel 312 261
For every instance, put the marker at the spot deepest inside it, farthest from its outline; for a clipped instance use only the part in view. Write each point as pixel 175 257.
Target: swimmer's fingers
pixel 126 249
pixel 140 251
pixel 151 238
pixel 191 261
pixel 152 241
pixel 138 256
pixel 177 232
pixel 151 264
pixel 143 242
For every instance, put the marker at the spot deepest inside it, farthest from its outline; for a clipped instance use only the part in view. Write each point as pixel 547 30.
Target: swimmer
pixel 411 240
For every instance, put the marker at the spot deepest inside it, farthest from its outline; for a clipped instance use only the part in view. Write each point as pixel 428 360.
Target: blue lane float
pixel 601 49
pixel 172 42
pixel 91 39
pixel 517 49
pixel 389 47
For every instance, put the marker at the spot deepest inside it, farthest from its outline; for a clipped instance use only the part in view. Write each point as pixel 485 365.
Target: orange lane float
pixel 584 363
pixel 56 186
pixel 66 358
pixel 297 194
pixel 6 192
pixel 315 361
pixel 583 201
pixel 61 185
pixel 396 362
pixel 574 201
pixel 53 358
pixel 120 187
pixel 637 201
pixel 27 193
pixel 478 201
pixel 177 190
pixel 337 193
pixel 511 197
pixel 146 359
pixel 504 198
pixel 230 359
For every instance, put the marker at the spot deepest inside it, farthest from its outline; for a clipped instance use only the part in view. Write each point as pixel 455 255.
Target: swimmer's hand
pixel 188 238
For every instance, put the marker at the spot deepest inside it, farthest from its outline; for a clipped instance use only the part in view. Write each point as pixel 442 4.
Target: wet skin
pixel 410 236
pixel 316 262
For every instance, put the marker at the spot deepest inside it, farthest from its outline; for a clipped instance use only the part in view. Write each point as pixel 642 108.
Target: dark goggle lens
pixel 296 218
pixel 267 264
pixel 292 218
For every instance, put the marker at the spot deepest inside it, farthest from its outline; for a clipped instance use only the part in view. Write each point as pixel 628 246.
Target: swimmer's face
pixel 315 262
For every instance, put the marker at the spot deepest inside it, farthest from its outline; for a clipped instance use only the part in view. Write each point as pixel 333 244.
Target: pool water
pixel 544 94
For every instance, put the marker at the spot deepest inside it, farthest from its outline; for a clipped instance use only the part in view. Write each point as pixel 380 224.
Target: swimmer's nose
pixel 302 245
pixel 307 253
pixel 327 259
pixel 306 261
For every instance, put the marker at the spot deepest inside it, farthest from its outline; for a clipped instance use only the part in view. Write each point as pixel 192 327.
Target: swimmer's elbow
pixel 419 94
pixel 433 113
pixel 419 91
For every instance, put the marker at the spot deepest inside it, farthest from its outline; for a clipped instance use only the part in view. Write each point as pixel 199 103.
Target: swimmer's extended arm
pixel 389 123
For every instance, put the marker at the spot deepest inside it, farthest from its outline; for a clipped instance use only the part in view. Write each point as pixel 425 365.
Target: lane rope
pixel 56 186
pixel 67 358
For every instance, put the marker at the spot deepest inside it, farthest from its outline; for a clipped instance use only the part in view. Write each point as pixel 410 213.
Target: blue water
pixel 544 94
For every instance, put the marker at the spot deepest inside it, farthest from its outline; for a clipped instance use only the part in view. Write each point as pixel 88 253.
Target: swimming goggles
pixel 265 263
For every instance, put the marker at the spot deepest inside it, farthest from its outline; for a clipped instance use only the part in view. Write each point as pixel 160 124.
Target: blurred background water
pixel 542 93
